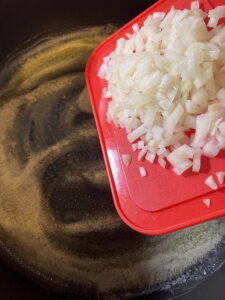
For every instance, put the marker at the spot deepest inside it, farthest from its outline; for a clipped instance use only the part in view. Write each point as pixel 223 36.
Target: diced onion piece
pixel 221 140
pixel 210 149
pixel 102 71
pixel 217 13
pixel 107 94
pixel 221 128
pixel 212 23
pixel 157 132
pixel 182 167
pixel 200 97
pixel 195 5
pixel 220 177
pixel 190 122
pixel 180 155
pixel 203 123
pixel 163 152
pixel 142 153
pixel 174 118
pixel 174 139
pixel 196 161
pixel 136 134
pixel 162 162
pixel 120 45
pixel 126 159
pixel 149 117
pixel 158 15
pixel 221 95
pixel 150 157
pixel 141 144
pixel 210 182
pixel 143 172
pixel 136 28
pixel 192 108
pixel 207 202
pixel 134 147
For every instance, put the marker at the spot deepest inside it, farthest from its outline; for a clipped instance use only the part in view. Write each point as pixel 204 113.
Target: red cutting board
pixel 161 202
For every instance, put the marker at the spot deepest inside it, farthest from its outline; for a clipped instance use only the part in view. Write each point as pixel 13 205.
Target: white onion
pixel 143 172
pixel 190 122
pixel 135 28
pixel 136 134
pixel 212 23
pixel 221 95
pixel 141 144
pixel 220 177
pixel 150 157
pixel 142 153
pixel 207 202
pixel 107 94
pixel 221 128
pixel 167 85
pixel 217 13
pixel 196 161
pixel 126 159
pixel 162 162
pixel 195 5
pixel 210 182
pixel 210 149
pixel 163 152
pixel 179 155
pixel 203 124
pixel 182 167
pixel 135 147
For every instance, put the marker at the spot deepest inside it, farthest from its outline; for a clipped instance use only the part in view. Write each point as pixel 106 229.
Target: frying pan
pixel 99 250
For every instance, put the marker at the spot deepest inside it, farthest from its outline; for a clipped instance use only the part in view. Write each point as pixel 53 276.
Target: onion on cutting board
pixel 166 82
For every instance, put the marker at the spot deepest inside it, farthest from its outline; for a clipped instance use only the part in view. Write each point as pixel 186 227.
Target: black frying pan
pixel 58 226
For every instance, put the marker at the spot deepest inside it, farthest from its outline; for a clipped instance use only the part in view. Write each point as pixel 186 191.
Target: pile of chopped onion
pixel 167 84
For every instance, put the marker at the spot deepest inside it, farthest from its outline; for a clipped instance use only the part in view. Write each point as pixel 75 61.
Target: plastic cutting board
pixel 162 202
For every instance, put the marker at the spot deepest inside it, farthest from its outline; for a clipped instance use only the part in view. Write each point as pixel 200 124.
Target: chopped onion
pixel 197 161
pixel 135 28
pixel 212 23
pixel 135 147
pixel 158 15
pixel 162 162
pixel 107 94
pixel 210 182
pixel 141 144
pixel 220 177
pixel 207 202
pixel 190 122
pixel 195 5
pixel 203 123
pixel 166 84
pixel 136 134
pixel 126 159
pixel 163 152
pixel 221 128
pixel 142 153
pixel 221 95
pixel 150 157
pixel 182 167
pixel 210 149
pixel 180 155
pixel 217 13
pixel 143 172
